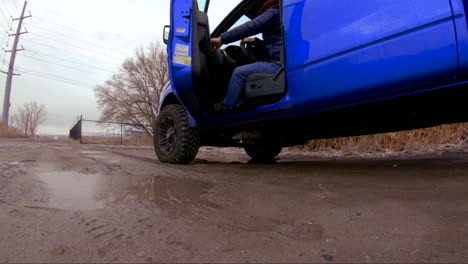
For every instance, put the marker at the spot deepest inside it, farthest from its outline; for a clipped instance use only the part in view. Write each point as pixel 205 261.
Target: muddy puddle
pixel 78 191
pixel 173 190
pixel 71 190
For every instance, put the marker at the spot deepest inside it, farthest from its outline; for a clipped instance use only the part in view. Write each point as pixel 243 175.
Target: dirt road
pixel 65 202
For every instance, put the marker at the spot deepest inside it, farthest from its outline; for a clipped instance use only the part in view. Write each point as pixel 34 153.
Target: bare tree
pixel 29 117
pixel 132 95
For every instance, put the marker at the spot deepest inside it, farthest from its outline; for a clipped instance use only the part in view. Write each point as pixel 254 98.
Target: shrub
pixel 9 132
pixel 427 139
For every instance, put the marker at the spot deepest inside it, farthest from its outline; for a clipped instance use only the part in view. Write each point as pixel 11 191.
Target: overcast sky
pixel 74 45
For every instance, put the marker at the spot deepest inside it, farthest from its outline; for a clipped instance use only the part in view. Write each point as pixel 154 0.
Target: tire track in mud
pixel 126 155
pixel 169 172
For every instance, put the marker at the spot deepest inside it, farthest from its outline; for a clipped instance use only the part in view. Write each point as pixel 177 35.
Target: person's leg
pixel 239 77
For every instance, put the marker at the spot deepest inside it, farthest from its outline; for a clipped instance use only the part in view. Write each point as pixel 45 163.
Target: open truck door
pixel 188 50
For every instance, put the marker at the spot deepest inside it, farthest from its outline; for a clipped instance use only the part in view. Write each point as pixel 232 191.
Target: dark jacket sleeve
pixel 253 27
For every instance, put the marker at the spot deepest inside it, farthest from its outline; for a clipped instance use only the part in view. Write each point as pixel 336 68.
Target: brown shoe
pixel 218 107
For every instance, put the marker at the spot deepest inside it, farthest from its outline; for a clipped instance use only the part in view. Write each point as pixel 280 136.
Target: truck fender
pixel 168 96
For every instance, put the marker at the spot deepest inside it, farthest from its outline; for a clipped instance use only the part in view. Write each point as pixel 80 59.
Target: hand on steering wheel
pixel 248 40
pixel 216 43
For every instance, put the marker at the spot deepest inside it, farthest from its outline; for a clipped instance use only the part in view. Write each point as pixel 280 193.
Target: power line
pixel 78 31
pixel 7 9
pixel 4 16
pixel 56 78
pixel 73 45
pixel 52 75
pixel 6 30
pixel 68 51
pixel 63 65
pixel 6 35
pixel 16 7
pixel 91 43
pixel 62 59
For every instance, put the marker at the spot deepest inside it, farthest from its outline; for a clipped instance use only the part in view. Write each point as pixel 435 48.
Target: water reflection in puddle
pixel 72 190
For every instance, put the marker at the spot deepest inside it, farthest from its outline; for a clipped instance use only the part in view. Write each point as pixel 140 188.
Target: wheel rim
pixel 167 135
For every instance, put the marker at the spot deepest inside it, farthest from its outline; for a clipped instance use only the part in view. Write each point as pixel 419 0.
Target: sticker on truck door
pixel 181 55
pixel 184 60
pixel 181 49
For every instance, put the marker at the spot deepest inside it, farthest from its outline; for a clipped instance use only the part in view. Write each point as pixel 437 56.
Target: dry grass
pixel 422 140
pixel 116 140
pixel 72 141
pixel 9 132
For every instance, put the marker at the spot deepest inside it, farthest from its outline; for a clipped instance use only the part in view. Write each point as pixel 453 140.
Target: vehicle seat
pixel 260 85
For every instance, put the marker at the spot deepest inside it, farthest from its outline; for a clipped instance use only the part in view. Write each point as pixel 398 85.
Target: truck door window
pixel 239 22
pixel 219 10
pixel 202 5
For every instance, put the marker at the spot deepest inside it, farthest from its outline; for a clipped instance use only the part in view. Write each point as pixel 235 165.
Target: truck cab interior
pixel 212 70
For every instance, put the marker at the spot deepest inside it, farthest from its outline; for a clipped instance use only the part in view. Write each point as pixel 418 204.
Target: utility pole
pixel 11 67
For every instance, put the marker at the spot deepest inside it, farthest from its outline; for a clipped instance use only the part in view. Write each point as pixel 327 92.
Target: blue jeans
pixel 239 77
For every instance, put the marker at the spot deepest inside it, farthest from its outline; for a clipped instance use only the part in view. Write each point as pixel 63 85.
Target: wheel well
pixel 170 99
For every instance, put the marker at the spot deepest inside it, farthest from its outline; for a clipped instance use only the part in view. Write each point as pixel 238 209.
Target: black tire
pixel 265 151
pixel 174 140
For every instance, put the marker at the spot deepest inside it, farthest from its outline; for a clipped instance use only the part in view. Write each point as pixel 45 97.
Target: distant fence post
pixel 80 127
pixel 121 134
pixel 75 132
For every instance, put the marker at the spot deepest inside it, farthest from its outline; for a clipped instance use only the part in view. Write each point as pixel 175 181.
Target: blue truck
pixel 348 67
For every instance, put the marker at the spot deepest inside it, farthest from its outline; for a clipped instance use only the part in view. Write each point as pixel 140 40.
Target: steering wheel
pixel 249 51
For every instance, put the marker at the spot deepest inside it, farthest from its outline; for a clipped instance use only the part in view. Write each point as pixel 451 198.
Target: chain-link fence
pixel 99 132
